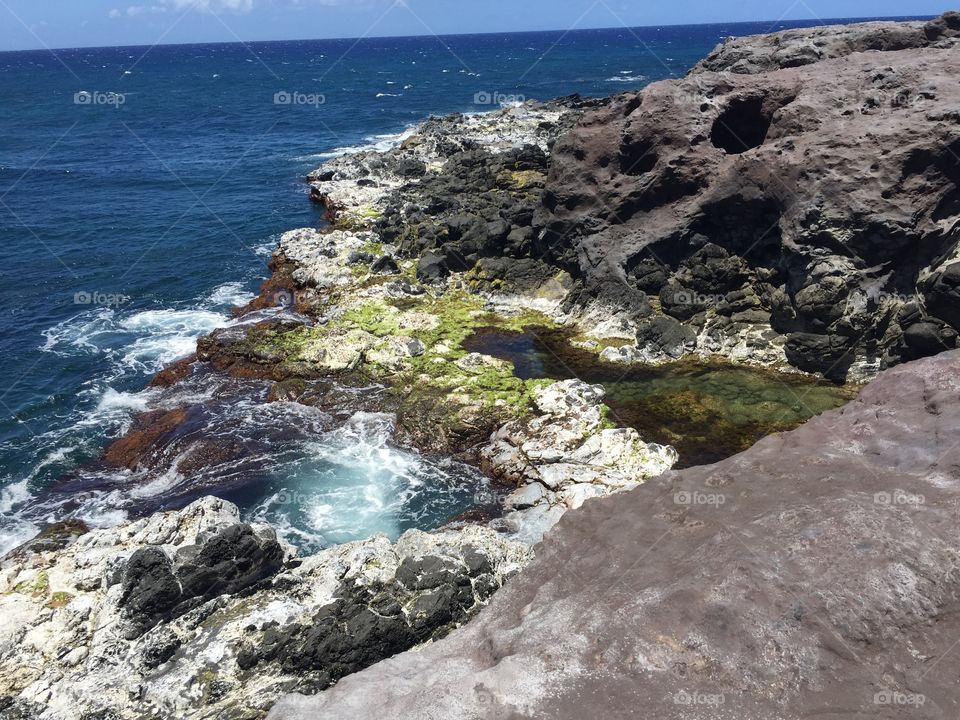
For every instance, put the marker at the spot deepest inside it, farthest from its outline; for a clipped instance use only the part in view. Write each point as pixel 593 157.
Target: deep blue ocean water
pixel 143 189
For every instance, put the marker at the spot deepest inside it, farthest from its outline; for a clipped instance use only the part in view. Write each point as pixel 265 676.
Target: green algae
pixel 273 343
pixel 38 587
pixel 436 375
pixel 59 599
pixel 364 338
pixel 707 410
pixel 358 219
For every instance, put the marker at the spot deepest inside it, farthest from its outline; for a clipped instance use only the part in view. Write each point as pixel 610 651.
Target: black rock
pixel 432 267
pixel 929 338
pixel 434 608
pixel 426 572
pixel 667 334
pixel 458 225
pixel 150 590
pixel 649 275
pixel 943 296
pixel 477 562
pixel 827 354
pixel 411 168
pixel 385 265
pixel 682 302
pixel 360 258
pixel 156 588
pixel 231 560
pixel 496 233
pixel 520 275
pixel 454 259
pixel 518 241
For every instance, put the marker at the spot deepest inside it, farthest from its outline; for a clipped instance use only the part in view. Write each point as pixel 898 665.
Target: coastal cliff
pixel 793 199
pixel 788 209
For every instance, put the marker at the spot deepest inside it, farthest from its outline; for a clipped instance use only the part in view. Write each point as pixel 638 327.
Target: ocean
pixel 142 191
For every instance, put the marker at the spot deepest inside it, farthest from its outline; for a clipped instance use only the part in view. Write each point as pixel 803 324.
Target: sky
pixel 33 24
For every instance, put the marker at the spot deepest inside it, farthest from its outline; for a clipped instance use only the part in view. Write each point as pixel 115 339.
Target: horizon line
pixel 773 24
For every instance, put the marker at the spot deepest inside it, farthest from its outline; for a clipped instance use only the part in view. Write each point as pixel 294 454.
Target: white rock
pixel 574 496
pixel 566 449
pixel 525 497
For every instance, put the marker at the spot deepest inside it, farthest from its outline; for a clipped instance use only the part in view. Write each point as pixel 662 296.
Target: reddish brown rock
pixel 174 373
pixel 148 435
pixel 278 290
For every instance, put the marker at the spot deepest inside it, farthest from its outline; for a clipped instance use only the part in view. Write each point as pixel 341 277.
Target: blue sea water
pixel 142 191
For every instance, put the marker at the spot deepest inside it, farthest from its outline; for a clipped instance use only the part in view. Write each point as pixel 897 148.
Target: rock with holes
pixel 793 199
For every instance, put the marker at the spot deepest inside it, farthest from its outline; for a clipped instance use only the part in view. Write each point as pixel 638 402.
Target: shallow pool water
pixel 707 410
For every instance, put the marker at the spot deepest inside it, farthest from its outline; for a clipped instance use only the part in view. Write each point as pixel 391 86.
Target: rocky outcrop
pixel 458 194
pixel 814 575
pixel 774 211
pixel 563 454
pixel 793 48
pixel 197 614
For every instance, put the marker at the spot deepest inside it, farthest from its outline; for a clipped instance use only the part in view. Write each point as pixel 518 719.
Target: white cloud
pixel 236 7
pixel 180 6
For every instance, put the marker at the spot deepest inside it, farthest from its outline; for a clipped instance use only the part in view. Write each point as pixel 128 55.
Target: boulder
pixel 432 267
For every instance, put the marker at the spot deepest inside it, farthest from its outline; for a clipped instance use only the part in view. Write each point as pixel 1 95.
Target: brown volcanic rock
pixel 824 195
pixel 813 576
pixel 146 439
pixel 792 48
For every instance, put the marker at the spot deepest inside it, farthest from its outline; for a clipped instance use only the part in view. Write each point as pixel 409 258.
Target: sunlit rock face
pixel 197 614
pixel 794 198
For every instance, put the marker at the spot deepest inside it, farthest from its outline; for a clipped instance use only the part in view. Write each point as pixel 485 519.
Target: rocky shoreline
pixel 732 214
pixel 196 613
